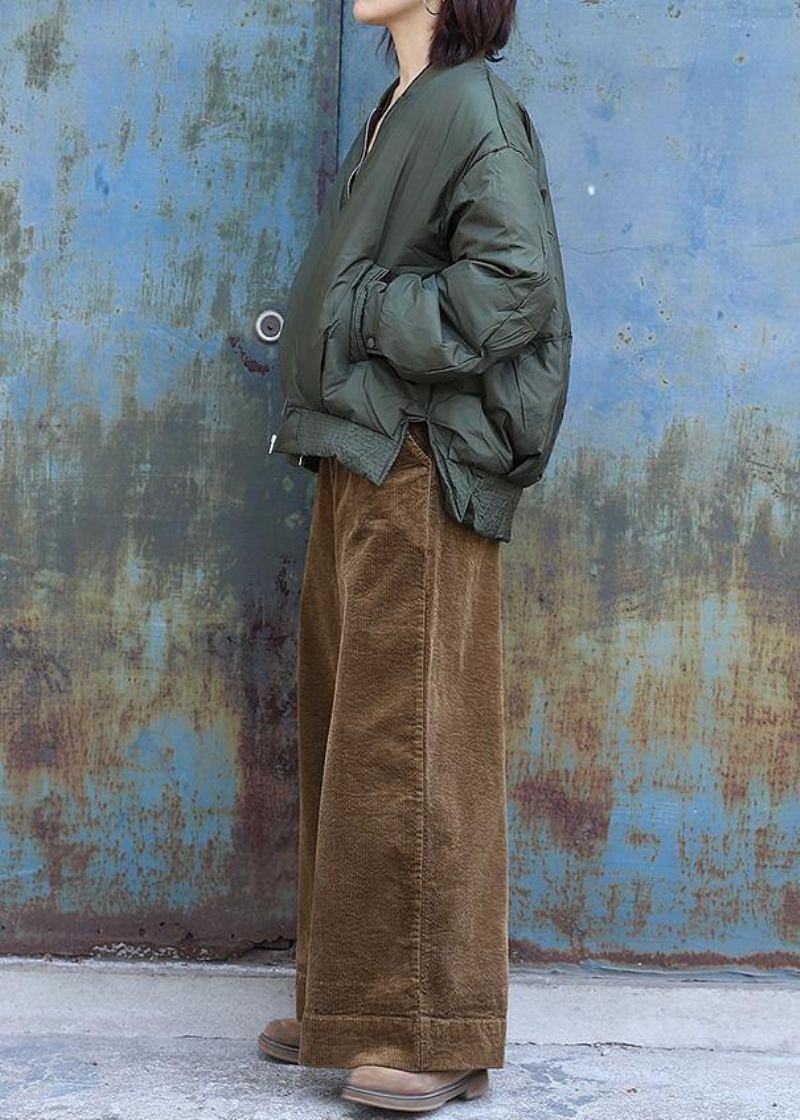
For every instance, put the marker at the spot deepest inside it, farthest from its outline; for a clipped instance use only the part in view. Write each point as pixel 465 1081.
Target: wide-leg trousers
pixel 402 916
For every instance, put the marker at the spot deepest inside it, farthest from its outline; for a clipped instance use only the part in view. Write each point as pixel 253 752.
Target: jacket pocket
pixel 323 358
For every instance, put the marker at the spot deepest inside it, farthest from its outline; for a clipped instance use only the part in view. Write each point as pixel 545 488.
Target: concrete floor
pixel 72 1077
pixel 106 1041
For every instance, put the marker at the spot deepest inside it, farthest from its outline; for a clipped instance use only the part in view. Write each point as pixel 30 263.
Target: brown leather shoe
pixel 280 1038
pixel 385 1087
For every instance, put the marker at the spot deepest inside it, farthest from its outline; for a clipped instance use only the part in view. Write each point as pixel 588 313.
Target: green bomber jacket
pixel 432 289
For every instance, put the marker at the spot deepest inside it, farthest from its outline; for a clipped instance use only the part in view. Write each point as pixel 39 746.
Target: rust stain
pixel 790 912
pixel 209 933
pixel 575 805
pixel 524 951
pixel 251 364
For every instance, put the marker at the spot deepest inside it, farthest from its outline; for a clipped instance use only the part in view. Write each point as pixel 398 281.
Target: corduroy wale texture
pixel 402 921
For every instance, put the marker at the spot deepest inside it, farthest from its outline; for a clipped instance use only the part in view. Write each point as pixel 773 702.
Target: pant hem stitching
pixel 410 1017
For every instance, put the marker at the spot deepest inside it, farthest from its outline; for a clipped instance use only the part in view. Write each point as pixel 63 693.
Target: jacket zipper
pixel 364 152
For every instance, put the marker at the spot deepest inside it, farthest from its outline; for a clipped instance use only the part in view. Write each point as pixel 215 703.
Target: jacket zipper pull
pixel 367 133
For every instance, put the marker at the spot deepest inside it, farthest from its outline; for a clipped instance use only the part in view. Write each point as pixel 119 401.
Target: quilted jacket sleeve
pixel 488 303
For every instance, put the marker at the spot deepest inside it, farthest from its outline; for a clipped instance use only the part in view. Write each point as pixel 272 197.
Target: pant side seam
pixel 422 993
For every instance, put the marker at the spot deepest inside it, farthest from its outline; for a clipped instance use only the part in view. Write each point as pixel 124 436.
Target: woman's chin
pixel 380 12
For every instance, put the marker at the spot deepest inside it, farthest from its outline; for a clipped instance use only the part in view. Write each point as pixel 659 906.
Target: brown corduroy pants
pixel 402 920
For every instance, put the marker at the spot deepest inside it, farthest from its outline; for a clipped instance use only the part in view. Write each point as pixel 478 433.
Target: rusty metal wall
pixel 153 198
pixel 155 163
pixel 652 588
pixel 652 591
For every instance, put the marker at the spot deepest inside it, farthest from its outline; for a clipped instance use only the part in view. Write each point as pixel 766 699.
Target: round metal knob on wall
pixel 269 324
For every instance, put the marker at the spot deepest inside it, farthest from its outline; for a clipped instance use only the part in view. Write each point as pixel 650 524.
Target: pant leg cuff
pixel 417 1044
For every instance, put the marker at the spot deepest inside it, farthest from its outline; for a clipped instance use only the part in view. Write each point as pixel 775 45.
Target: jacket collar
pixel 422 79
pixel 425 76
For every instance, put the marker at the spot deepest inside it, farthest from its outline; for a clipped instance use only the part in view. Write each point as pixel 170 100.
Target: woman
pixel 425 363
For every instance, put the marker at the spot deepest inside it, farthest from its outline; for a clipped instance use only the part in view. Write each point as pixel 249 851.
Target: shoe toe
pixel 400 1082
pixel 286 1031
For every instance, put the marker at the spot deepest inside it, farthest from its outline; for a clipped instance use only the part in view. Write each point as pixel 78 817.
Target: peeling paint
pixel 41 45
pixel 16 244
pixel 653 683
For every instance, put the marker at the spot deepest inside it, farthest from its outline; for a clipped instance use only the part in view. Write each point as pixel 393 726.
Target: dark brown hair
pixel 463 29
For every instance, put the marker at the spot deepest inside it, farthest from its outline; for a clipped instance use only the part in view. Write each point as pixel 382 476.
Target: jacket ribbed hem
pixel 417 1043
pixel 482 502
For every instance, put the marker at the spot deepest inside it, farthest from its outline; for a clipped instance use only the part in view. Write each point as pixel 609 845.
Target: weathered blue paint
pixel 185 788
pixel 160 169
pixel 157 185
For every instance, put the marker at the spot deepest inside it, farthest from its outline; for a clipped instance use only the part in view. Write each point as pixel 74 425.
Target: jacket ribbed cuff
pixel 362 329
